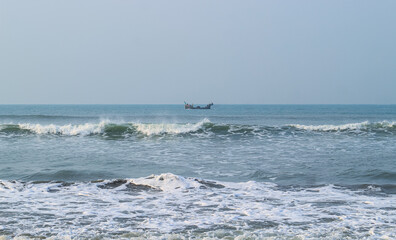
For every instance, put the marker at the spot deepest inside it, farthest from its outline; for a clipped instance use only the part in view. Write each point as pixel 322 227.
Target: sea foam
pixel 168 128
pixel 69 129
pixel 168 203
pixel 205 126
pixel 349 126
pixel 101 127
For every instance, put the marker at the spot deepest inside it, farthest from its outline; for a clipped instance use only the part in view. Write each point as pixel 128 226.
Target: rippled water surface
pixel 235 171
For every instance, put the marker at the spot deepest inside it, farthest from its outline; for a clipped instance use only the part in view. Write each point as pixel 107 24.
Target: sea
pixel 231 172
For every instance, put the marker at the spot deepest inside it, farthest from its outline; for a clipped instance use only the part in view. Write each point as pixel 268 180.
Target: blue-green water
pixel 124 171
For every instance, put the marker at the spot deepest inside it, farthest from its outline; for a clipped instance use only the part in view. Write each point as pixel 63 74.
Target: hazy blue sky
pixel 127 51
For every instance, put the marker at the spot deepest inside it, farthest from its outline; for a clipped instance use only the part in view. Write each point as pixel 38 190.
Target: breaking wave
pixel 112 129
pixel 104 128
pixel 156 129
pixel 193 208
pixel 363 126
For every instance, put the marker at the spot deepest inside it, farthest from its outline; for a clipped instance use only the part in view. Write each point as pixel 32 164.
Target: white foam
pixel 168 128
pixel 98 128
pixel 386 124
pixel 349 126
pixel 167 182
pixel 253 209
pixel 69 129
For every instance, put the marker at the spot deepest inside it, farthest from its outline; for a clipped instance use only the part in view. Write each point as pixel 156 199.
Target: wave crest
pixel 112 129
pixel 104 128
pixel 70 130
pixel 366 126
pixel 163 128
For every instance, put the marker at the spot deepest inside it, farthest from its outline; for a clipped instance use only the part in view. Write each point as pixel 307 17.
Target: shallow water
pixel 159 171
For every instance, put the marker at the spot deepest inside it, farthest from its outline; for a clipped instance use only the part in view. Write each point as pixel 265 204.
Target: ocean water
pixel 232 172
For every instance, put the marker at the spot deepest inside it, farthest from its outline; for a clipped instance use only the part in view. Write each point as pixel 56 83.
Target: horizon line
pixel 197 103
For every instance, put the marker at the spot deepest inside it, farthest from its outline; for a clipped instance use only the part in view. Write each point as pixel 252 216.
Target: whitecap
pixel 69 129
pixel 366 125
pixel 168 128
pixel 325 128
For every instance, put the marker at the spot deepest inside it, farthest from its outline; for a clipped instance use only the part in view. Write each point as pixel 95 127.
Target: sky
pixel 225 51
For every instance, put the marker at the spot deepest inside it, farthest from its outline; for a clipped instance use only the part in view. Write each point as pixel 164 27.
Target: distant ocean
pixel 232 172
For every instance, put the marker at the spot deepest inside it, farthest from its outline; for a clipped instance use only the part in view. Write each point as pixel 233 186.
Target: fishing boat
pixel 191 106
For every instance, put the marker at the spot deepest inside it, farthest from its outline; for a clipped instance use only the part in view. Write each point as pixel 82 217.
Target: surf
pixel 362 126
pixel 204 127
pixel 192 207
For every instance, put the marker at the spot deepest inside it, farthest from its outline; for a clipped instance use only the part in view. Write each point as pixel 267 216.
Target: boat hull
pixel 188 106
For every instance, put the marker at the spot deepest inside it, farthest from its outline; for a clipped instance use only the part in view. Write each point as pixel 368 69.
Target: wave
pixel 104 128
pixel 205 126
pixel 71 130
pixel 108 128
pixel 363 126
pixel 193 208
pixel 156 129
